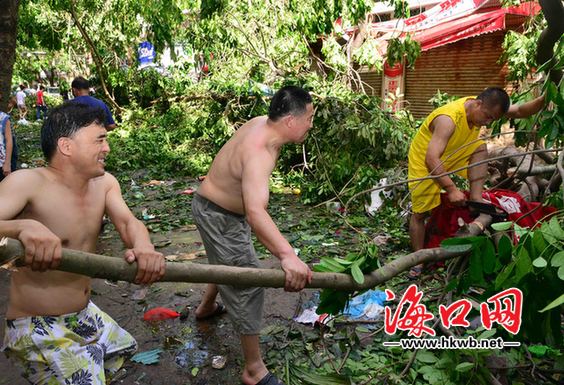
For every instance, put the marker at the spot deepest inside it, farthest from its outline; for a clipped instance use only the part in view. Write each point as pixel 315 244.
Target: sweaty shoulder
pixel 27 180
pixel 108 181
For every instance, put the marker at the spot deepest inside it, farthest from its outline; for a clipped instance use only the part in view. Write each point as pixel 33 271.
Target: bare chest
pixel 75 218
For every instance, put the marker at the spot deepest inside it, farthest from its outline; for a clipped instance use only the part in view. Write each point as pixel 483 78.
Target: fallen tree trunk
pixel 99 266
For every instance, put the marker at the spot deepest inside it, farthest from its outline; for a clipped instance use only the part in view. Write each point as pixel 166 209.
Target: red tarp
pixel 472 25
pixel 451 21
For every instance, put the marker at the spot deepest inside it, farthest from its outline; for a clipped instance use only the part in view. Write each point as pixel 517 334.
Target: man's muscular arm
pixel 42 248
pixel 443 129
pixel 150 264
pixel 255 177
pixel 524 110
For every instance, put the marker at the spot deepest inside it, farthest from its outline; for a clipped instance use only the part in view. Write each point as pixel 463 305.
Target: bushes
pixel 351 142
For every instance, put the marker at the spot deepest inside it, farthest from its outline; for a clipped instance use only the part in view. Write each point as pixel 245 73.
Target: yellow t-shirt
pixel 461 145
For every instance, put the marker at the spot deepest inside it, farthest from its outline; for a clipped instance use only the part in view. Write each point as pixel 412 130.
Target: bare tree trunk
pixel 8 34
pixel 553 11
pixel 99 266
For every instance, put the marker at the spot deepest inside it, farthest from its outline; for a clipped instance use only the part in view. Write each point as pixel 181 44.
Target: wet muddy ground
pixel 188 346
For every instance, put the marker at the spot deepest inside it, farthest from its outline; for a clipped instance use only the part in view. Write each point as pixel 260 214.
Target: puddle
pixel 192 355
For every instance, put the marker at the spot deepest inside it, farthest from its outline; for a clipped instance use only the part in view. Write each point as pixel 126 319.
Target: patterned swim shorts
pixel 81 348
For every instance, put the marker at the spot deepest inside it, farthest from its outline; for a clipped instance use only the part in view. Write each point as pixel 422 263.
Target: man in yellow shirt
pixel 447 140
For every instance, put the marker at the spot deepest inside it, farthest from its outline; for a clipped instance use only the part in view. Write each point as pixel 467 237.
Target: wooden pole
pixel 100 266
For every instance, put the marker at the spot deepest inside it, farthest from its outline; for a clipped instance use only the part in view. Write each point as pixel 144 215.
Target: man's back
pixel 223 184
pixel 74 218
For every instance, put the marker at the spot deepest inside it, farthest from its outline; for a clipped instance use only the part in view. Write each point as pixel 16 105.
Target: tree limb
pixel 99 266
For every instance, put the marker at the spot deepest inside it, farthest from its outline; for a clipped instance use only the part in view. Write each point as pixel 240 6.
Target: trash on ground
pixel 218 362
pixel 146 216
pixel 159 314
pixel 380 240
pixel 147 358
pixel 191 355
pixel 368 306
pixel 377 197
pixel 140 293
pixel 188 191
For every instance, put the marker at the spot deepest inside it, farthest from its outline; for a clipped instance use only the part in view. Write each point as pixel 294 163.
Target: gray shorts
pixel 227 239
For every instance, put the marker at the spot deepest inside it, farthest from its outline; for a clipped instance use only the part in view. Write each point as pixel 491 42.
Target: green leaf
pixel 555 228
pixel 538 242
pixel 195 371
pixel 488 257
pixel 357 274
pixel 505 273
pixel 458 248
pixel 487 334
pixel 501 226
pixel 520 231
pixel 557 259
pixel 476 270
pixel 426 357
pixel 540 262
pixel 504 249
pixel 561 273
pixel 464 367
pixel 551 91
pixel 523 264
pixel 557 302
pixel 538 350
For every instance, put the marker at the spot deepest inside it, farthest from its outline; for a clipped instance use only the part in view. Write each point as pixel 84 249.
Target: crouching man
pixel 53 330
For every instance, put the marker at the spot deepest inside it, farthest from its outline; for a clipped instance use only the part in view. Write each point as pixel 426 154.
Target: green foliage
pixel 399 48
pixel 535 261
pixel 442 98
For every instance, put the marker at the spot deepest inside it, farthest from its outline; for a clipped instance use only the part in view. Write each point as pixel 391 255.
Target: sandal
pixel 219 310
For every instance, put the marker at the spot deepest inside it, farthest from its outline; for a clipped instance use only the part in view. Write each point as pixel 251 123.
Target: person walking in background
pixel 40 106
pixel 20 100
pixel 6 145
pixel 81 91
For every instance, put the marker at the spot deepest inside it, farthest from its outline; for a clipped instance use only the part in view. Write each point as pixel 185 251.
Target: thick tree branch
pixel 99 266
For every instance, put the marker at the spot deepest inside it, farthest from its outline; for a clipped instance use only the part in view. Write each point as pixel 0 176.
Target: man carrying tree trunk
pixel 232 201
pixel 448 140
pixel 53 330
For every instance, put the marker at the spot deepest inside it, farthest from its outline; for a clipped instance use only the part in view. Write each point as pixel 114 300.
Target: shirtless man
pixel 53 329
pixel 232 200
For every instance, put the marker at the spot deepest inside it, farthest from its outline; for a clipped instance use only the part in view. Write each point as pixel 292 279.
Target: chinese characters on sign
pixel 412 316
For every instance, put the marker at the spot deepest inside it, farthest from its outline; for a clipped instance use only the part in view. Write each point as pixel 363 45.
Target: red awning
pixel 471 25
pixel 451 21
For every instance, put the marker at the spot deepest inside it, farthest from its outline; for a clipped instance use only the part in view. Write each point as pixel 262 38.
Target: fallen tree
pixel 100 266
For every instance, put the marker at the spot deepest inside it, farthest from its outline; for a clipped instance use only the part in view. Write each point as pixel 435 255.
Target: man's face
pixel 301 124
pixel 90 148
pixel 484 115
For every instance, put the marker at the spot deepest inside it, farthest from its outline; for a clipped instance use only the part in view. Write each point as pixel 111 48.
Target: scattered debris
pixel 147 358
pixel 218 362
pixel 191 356
pixel 140 294
pixel 380 240
pixel 146 216
pixel 159 314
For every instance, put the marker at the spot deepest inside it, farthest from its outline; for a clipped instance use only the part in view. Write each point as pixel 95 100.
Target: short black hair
pixel 80 83
pixel 64 121
pixel 289 100
pixel 22 87
pixel 495 96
